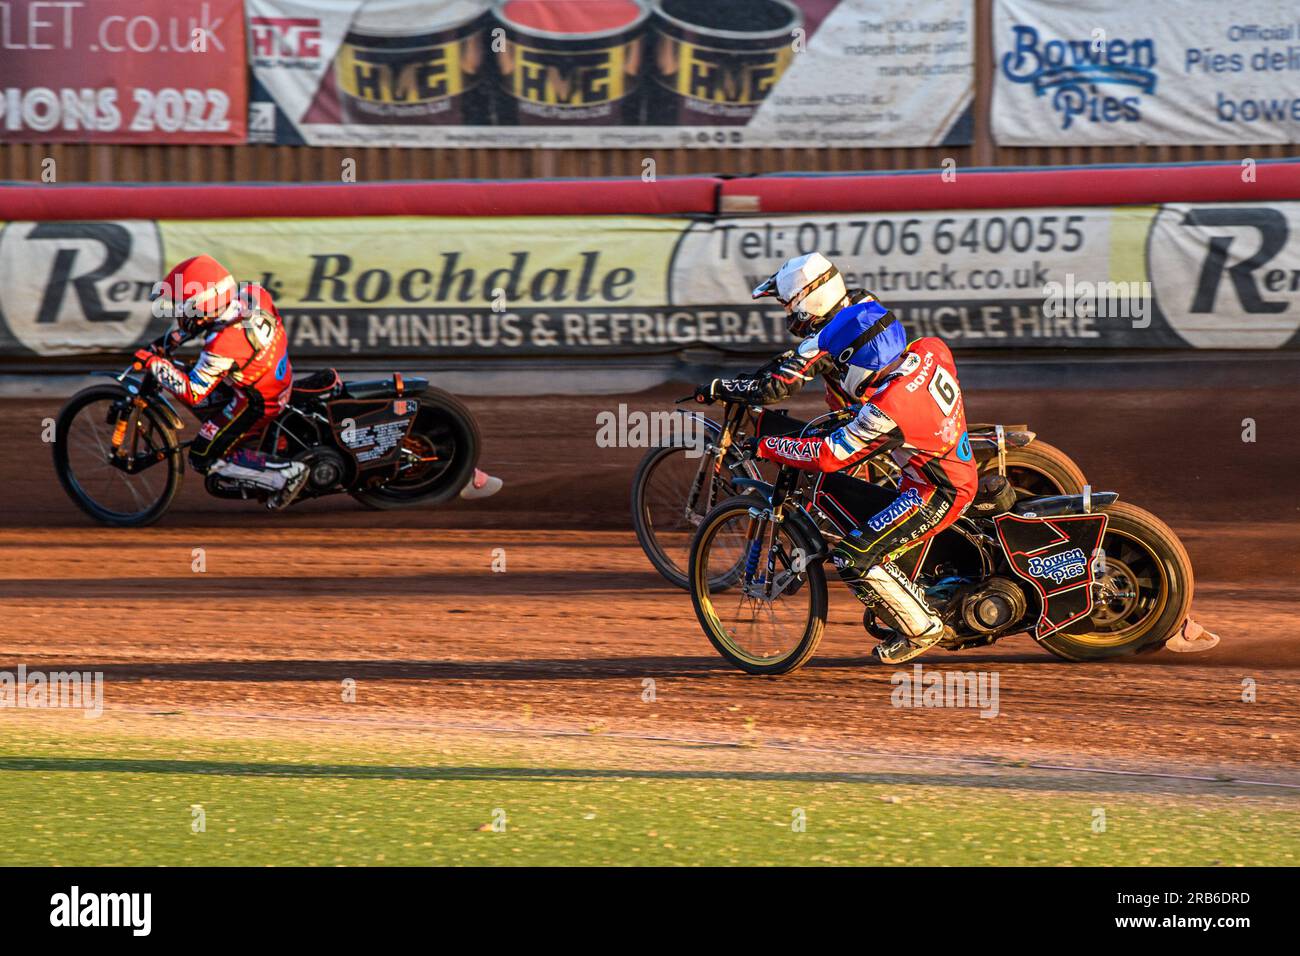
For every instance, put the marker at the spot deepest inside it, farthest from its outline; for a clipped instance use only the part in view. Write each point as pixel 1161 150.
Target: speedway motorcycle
pixel 389 443
pixel 1087 576
pixel 677 483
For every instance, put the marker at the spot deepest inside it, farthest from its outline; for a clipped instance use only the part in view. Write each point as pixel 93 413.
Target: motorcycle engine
pixel 328 469
pixel 993 606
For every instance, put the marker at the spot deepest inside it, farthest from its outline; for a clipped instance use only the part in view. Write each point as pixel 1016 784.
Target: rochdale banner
pixel 123 71
pixel 1085 72
pixel 1214 275
pixel 611 73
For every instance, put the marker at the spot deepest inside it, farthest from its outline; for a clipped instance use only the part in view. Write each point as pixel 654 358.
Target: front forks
pixel 128 422
pixel 761 578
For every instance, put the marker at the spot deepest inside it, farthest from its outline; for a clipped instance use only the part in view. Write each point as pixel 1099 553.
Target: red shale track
pixel 407 605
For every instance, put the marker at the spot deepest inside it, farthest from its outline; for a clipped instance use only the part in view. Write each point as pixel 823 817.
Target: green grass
pixel 78 799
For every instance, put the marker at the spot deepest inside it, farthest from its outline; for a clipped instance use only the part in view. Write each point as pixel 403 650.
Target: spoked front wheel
pixel 758 592
pixel 116 458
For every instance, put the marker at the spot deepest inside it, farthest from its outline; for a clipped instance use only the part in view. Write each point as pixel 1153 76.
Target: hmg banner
pixel 610 73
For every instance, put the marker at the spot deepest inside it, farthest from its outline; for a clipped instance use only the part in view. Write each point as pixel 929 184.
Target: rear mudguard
pixel 990 442
pixel 396 386
pixel 1053 506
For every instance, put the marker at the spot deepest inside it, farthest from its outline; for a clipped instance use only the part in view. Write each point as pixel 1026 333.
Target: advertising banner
pixel 1214 275
pixel 1085 72
pixel 1217 275
pixel 611 73
pixel 123 71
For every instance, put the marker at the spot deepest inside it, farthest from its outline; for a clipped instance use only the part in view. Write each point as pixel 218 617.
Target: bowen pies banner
pixel 123 71
pixel 1083 72
pixel 609 73
pixel 1213 275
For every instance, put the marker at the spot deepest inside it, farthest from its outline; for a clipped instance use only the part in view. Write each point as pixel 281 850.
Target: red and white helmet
pixel 195 292
pixel 810 288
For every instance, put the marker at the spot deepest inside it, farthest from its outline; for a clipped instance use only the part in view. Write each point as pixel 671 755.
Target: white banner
pixel 1084 72
pixel 1212 275
pixel 1208 275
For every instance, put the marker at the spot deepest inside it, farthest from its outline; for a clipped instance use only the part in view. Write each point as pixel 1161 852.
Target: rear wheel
pixel 118 461
pixel 1039 469
pixel 1141 594
pixel 441 452
pixel 758 629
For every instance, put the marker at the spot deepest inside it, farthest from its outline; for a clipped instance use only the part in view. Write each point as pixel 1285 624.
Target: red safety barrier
pixel 695 195
pixel 573 197
pixel 1011 188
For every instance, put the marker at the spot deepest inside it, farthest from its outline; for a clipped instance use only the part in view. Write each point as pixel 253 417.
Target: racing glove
pixel 706 394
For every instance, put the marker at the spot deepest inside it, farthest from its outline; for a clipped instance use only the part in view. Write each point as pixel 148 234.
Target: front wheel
pixel 758 626
pixel 116 457
pixel 440 454
pixel 1141 593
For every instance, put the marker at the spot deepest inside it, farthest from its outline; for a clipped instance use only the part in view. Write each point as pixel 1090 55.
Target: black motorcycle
pixel 678 482
pixel 389 443
pixel 1088 576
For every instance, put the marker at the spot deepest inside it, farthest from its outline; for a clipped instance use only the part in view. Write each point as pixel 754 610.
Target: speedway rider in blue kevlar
pixel 915 413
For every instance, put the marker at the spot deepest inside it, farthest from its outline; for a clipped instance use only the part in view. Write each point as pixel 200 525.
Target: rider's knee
pixel 850 561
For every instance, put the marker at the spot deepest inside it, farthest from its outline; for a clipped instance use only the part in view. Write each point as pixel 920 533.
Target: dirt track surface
pixel 408 606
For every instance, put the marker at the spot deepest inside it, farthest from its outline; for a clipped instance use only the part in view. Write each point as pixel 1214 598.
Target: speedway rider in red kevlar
pixel 915 413
pixel 244 346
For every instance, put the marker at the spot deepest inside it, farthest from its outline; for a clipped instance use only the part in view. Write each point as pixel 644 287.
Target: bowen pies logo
pixel 1074 73
pixel 1059 567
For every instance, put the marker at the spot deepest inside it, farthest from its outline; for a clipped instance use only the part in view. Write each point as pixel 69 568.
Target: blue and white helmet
pixel 862 339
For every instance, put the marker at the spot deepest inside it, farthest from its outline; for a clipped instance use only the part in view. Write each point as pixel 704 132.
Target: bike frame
pixel 715 457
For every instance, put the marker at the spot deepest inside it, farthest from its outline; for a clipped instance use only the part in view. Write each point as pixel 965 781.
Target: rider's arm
pixel 872 432
pixel 777 380
pixel 195 385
